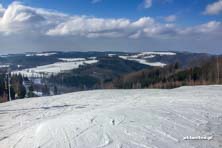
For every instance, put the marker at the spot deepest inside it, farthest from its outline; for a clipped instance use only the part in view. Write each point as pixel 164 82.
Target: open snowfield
pixel 40 54
pixel 54 68
pixel 115 119
pixel 143 58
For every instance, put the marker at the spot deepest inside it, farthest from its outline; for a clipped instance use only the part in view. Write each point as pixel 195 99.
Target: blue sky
pixel 189 12
pixel 161 25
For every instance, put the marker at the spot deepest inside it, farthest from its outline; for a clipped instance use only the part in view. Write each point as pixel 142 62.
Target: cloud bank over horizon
pixel 26 28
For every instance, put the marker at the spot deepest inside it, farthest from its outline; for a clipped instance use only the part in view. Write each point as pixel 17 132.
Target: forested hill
pixel 61 72
pixel 171 76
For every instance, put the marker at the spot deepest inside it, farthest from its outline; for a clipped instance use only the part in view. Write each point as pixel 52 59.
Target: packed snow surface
pixel 116 119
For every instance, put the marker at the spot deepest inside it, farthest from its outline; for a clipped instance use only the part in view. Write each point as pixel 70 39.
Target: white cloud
pixel 209 28
pixel 144 22
pixel 90 27
pixel 2 10
pixel 18 17
pixel 212 26
pixel 170 18
pixel 29 27
pixel 147 3
pixel 98 27
pixel 214 8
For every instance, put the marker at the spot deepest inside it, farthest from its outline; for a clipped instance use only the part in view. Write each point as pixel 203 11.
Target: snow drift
pixel 116 119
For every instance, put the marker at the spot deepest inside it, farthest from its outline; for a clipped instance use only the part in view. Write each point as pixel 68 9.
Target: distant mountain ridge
pixel 31 60
pixel 49 73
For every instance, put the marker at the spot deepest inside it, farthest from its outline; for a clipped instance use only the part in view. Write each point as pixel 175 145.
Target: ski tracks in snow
pixel 115 118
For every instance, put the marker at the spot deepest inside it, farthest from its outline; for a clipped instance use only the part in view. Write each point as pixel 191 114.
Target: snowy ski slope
pixel 115 119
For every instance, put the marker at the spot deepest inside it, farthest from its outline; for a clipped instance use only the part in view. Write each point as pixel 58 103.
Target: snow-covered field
pixel 72 59
pixel 116 119
pixel 153 54
pixel 55 68
pixel 4 66
pixel 143 58
pixel 40 54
